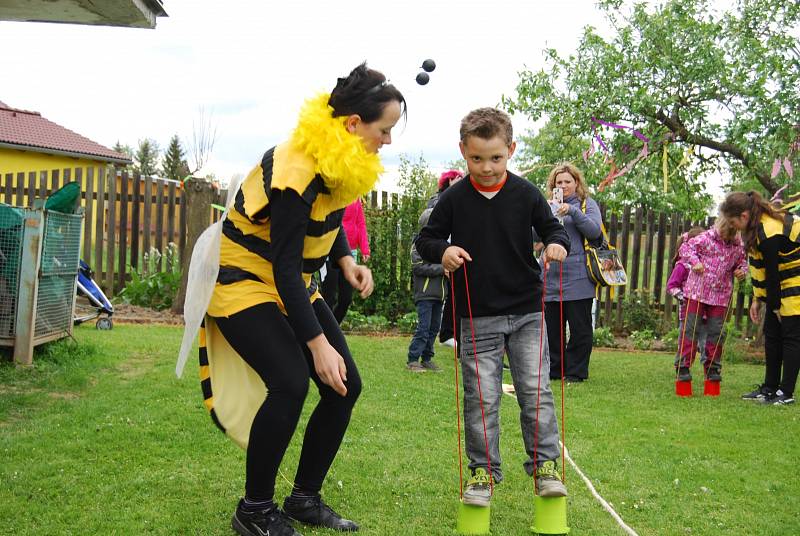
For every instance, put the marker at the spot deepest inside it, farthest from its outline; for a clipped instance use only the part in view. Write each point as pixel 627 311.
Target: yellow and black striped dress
pixel 247 277
pixel 780 290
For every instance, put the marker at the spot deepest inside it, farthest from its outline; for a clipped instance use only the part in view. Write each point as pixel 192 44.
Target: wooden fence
pixel 125 215
pixel 147 212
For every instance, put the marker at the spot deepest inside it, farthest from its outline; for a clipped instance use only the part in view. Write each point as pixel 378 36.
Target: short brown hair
pixel 577 174
pixel 486 123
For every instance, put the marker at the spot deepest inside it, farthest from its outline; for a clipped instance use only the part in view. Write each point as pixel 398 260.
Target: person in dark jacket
pixel 430 287
pixel 446 334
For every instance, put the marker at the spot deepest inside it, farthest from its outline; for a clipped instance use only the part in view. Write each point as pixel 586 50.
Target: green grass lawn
pixel 101 438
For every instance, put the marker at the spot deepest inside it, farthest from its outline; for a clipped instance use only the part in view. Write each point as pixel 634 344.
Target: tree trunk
pixel 198 195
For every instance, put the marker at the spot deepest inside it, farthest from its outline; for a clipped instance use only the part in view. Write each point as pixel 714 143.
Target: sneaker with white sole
pixel 779 399
pixel 759 394
pixel 415 366
pixel 548 481
pixel 431 366
pixel 478 491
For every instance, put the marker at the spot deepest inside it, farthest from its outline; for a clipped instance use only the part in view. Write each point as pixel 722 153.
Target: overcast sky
pixel 250 65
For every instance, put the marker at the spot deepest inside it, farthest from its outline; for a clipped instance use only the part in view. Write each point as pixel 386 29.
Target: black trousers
pixel 336 290
pixel 578 314
pixel 782 351
pixel 265 340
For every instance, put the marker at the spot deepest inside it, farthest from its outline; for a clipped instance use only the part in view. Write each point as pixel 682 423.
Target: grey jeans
pixel 520 336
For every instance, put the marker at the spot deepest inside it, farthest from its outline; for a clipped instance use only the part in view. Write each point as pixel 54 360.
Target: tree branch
pixel 674 123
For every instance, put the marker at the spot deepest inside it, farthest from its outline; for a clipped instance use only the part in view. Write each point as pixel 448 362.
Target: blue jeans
pixel 429 314
pixel 519 336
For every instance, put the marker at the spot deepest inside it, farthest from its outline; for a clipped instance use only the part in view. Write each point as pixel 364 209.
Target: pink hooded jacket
pixel 720 259
pixel 355 227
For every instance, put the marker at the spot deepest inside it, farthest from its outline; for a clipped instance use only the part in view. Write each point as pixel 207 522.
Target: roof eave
pixel 59 152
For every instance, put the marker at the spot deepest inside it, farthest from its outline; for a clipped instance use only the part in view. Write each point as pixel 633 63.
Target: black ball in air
pixel 423 78
pixel 428 66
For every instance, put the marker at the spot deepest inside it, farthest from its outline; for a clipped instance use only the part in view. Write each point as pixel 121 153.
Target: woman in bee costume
pixel 772 240
pixel 267 329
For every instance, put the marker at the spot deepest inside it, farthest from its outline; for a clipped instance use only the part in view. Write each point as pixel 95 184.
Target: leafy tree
pixel 554 143
pixel 146 157
pixel 174 163
pixel 684 74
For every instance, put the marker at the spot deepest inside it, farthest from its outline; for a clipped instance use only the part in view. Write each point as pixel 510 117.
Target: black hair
pixel 364 92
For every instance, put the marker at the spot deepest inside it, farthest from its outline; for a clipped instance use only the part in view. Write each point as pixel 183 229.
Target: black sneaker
pixel 714 374
pixel 779 399
pixel 314 511
pixel 759 394
pixel 684 375
pixel 261 523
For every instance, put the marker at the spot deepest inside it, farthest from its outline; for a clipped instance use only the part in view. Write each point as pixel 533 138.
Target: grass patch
pixel 101 438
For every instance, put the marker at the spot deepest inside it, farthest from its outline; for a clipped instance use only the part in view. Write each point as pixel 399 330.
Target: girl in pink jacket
pixel 713 258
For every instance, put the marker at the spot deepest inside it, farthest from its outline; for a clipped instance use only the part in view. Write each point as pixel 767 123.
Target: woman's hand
pixel 740 274
pixel 328 364
pixel 359 276
pixel 454 257
pixel 755 311
pixel 563 209
pixel 698 268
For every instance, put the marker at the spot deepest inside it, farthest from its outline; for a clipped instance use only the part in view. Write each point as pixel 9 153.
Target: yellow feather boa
pixel 346 167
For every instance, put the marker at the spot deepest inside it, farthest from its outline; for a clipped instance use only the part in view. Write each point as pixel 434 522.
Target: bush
pixel 151 287
pixel 639 312
pixel 408 322
pixel 643 339
pixel 353 321
pixel 603 337
pixel 670 339
pixel 378 323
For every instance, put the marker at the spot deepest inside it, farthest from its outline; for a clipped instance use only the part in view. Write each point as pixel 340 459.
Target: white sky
pixel 252 63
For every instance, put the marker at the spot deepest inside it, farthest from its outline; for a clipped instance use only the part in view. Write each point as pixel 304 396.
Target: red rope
pixel 458 407
pixel 539 385
pixel 563 394
pixel 478 374
pixel 682 340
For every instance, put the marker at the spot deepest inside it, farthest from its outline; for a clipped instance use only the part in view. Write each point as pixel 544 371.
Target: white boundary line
pixel 607 507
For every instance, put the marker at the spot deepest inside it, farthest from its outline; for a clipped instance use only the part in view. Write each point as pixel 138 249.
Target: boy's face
pixel 487 159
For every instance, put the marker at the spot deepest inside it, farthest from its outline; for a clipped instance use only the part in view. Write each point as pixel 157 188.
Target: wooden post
pixel 197 195
pixel 25 323
pixel 660 245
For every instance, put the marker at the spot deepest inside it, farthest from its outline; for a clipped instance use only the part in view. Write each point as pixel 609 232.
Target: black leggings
pixel 263 337
pixel 782 351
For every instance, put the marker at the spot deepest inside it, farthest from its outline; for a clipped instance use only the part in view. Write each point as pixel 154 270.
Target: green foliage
pixel 639 312
pixel 603 337
pixel 723 83
pixel 643 339
pixel 174 165
pixel 391 231
pixel 670 339
pixel 146 157
pixel 353 320
pixel 151 287
pixel 408 322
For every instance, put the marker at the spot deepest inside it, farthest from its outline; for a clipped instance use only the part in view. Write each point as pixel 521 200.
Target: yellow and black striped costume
pixel 329 168
pixel 788 263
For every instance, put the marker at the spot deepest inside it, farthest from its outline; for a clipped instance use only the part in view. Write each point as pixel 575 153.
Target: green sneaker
pixel 479 488
pixel 548 481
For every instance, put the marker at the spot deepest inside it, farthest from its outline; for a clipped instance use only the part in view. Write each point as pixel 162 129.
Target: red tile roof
pixel 29 130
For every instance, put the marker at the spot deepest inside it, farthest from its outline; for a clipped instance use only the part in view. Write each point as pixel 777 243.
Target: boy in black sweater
pixel 489 217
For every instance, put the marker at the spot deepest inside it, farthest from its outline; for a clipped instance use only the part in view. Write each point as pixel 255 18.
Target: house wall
pixel 15 160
